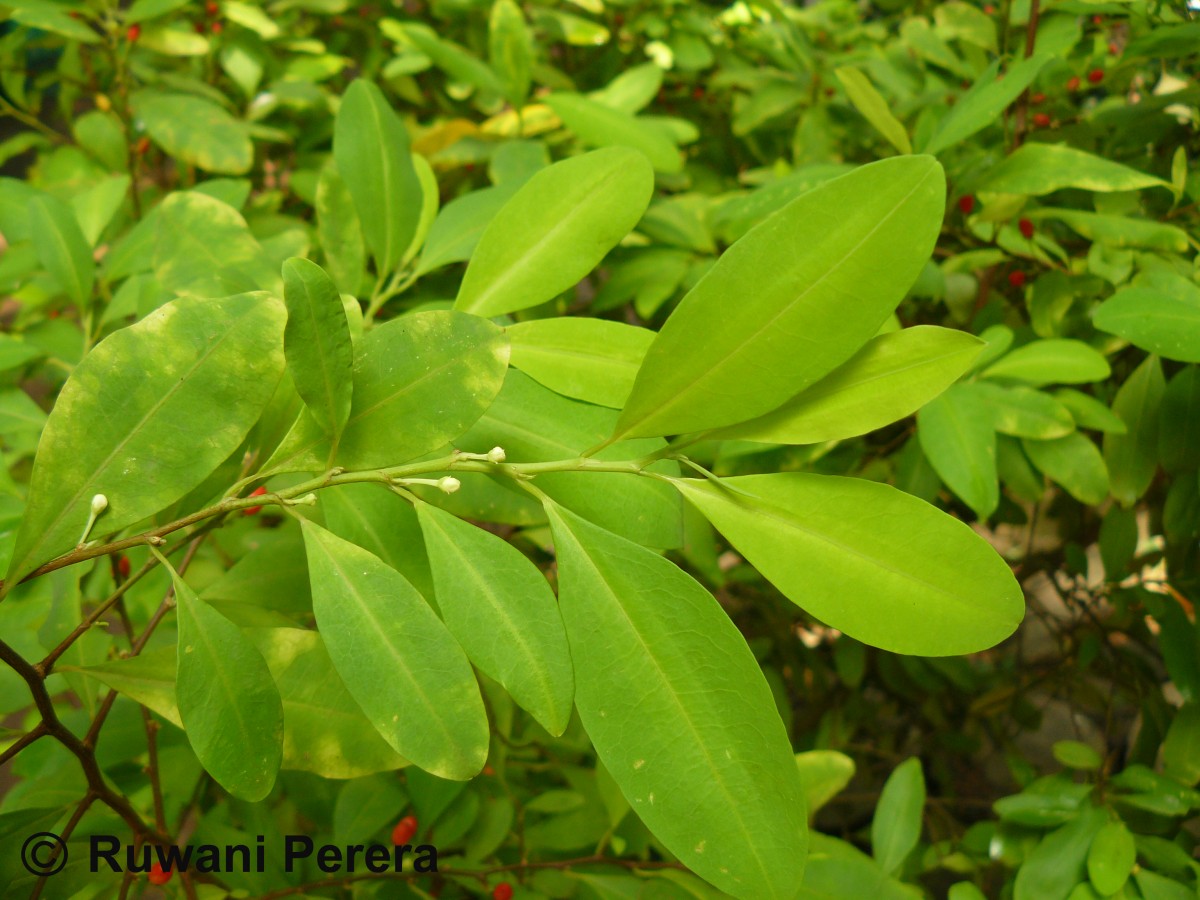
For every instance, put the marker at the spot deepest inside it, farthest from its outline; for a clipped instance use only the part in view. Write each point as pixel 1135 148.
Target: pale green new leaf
pixel 147 415
pixel 396 658
pixel 554 230
pixel 790 301
pixel 985 102
pixel 589 359
pixel 371 147
pixel 1036 169
pixel 316 344
pixel 599 125
pixel 1051 361
pixel 420 380
pixel 503 613
pixel 873 107
pixel 228 702
pixel 1163 319
pixel 891 377
pixel 958 436
pixel 880 565
pixel 1132 458
pixel 61 247
pixel 824 774
pixel 195 130
pixel 1074 462
pixel 896 827
pixel 679 713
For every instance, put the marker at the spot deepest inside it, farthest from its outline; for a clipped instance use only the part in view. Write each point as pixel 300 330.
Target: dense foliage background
pixel 1061 763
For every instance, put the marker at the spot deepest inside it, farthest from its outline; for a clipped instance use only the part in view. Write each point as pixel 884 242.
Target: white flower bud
pixel 449 484
pixel 496 455
pixel 99 504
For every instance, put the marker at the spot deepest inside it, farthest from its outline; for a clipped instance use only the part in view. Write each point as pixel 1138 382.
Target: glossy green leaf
pixel 339 232
pixel 1117 231
pixel 460 224
pixel 1074 462
pixel 896 827
pixel 589 359
pixel 1179 422
pixel 891 377
pixel 148 678
pixel 396 658
pixel 324 731
pixel 599 125
pixel 1051 361
pixel 1037 168
pixel 632 90
pixel 1132 458
pixel 829 267
pixel 370 145
pixel 1163 321
pixel 265 588
pixel 554 230
pixel 61 247
pixel 147 415
pixel 986 101
pixel 874 108
pixel 383 524
pixel 501 609
pixel 316 344
pixel 1059 862
pixel 510 50
pixel 685 723
pixel 228 702
pixel 204 248
pixel 878 564
pixel 420 380
pixel 958 436
pixel 824 773
pixel 1024 412
pixel 195 130
pixel 1088 412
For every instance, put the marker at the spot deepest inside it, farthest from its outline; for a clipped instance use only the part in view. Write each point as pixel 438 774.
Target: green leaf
pixel 383 524
pixel 398 661
pixel 55 17
pixel 1111 858
pixel 1179 422
pixel 147 415
pixel 1117 231
pixel 61 247
pixel 370 145
pixel 1088 412
pixel 204 248
pixel 1037 169
pixel 958 436
pixel 824 773
pixel 324 730
pixel 195 130
pixel 338 231
pixel 685 723
pixel 830 266
pixel 1164 319
pixel 1181 748
pixel 1074 462
pixel 1132 458
pixel 985 102
pixel 873 107
pixel 148 678
pixel 891 377
pixel 228 702
pixel 896 827
pixel 1024 412
pixel 1052 361
pixel 510 50
pixel 456 62
pixel 595 360
pixel 460 224
pixel 874 562
pixel 316 343
pixel 1077 755
pixel 599 125
pixel 420 380
pixel 554 230
pixel 1059 862
pixel 501 609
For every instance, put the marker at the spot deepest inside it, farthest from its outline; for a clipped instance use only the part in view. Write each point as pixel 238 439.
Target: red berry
pixel 698 93
pixel 1097 20
pixel 254 510
pixel 502 891
pixel 134 32
pixel 1041 120
pixel 1038 99
pixel 1073 83
pixel 54 313
pixel 404 831
pixel 1096 76
pixel 966 204
pixel 489 771
pixel 142 145
pixel 199 27
pixel 211 8
pixel 989 10
pixel 829 92
pixel 1016 279
pixel 1026 229
pixel 158 875
pixel 216 27
pixel 1113 49
pixel 123 565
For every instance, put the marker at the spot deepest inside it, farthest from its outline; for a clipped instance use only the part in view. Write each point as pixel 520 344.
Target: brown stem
pixel 1020 125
